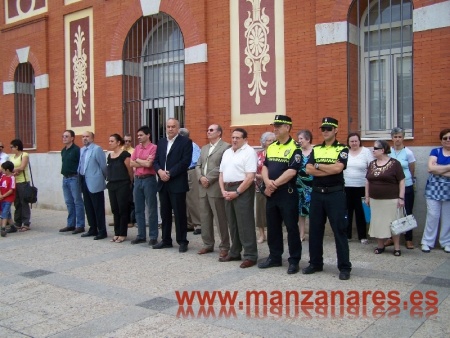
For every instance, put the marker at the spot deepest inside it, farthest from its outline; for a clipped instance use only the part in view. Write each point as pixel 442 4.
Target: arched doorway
pixel 153 80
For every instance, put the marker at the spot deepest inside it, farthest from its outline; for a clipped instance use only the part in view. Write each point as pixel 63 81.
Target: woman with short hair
pixel 406 158
pixel 385 193
pixel 260 200
pixel 437 194
pixel 359 158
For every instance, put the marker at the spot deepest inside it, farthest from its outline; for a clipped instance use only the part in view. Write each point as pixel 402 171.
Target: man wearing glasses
pixel 70 156
pixel 212 203
pixel 128 143
pixel 3 157
pixel 327 163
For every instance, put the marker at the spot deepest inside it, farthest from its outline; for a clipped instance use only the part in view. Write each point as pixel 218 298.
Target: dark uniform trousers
pixel 283 206
pixel 334 206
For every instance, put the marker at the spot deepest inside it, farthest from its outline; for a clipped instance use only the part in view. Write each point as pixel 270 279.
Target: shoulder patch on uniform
pixel 298 158
pixel 343 154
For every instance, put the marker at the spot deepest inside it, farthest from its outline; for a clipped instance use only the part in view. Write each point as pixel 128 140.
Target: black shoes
pixel 268 263
pixel 293 268
pixel 88 234
pixel 152 242
pixel 344 275
pixel 67 229
pixel 138 241
pixel 162 245
pixel 98 237
pixel 183 248
pixel 197 231
pixel 11 229
pixel 77 231
pixel 310 269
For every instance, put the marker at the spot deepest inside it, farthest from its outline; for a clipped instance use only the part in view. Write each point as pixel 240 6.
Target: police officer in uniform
pixel 326 164
pixel 283 160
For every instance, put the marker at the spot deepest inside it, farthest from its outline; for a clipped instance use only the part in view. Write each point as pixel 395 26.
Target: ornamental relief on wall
pixel 79 84
pixel 257 49
pixel 16 10
pixel 257 61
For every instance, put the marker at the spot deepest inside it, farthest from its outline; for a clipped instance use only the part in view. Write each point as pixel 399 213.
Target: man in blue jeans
pixel 145 186
pixel 70 156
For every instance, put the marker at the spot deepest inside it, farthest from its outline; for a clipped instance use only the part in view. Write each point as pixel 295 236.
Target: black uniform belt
pixel 70 175
pixel 232 184
pixel 326 190
pixel 141 177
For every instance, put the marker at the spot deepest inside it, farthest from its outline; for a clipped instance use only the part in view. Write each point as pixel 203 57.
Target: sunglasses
pixel 211 130
pixel 326 128
pixel 445 138
pixel 377 148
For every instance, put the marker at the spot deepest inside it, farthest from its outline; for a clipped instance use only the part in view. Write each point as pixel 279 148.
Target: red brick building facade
pixel 319 65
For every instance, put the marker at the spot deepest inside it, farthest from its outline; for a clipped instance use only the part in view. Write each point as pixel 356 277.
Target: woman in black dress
pixel 120 176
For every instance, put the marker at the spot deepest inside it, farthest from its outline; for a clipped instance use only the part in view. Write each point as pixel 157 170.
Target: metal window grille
pixel 153 80
pixel 380 70
pixel 24 105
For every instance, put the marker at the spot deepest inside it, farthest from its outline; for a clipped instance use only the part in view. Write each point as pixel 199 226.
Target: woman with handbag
pixel 437 194
pixel 119 176
pixel 266 140
pixel 22 211
pixel 385 193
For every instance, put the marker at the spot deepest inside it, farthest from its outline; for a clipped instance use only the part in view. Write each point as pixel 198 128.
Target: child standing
pixel 7 193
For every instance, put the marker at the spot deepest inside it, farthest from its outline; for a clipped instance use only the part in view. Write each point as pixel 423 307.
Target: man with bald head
pixel 173 157
pixel 92 171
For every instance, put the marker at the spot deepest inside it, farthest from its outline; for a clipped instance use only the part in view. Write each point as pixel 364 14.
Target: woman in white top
pixel 359 158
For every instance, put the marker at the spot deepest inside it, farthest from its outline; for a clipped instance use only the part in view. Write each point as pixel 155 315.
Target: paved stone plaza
pixel 61 285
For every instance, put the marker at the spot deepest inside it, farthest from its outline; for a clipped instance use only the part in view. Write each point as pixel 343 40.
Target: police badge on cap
pixel 329 122
pixel 282 119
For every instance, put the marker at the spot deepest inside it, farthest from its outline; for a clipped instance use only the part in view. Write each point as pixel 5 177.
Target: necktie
pixel 211 148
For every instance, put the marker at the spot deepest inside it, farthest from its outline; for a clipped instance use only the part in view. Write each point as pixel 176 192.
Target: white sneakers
pixel 447 249
pixel 364 241
pixel 425 248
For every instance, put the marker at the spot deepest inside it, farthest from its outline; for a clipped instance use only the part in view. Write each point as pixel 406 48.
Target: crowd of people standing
pixel 286 182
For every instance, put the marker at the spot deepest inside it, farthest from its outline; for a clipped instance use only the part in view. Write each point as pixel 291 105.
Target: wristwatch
pixel 238 193
pixel 316 165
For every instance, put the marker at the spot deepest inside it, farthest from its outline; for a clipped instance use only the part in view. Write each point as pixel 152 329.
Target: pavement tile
pixel 68 286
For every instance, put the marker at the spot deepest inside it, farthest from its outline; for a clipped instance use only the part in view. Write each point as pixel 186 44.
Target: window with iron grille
pixel 381 94
pixel 24 105
pixel 153 80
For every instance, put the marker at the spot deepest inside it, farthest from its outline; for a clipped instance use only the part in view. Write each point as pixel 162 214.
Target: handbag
pixel 30 191
pixel 403 224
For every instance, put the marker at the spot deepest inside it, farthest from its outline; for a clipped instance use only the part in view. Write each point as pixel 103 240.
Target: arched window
pixel 153 83
pixel 24 105
pixel 385 66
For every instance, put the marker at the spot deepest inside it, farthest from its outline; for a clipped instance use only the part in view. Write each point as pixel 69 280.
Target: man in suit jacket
pixel 212 204
pixel 172 161
pixel 92 171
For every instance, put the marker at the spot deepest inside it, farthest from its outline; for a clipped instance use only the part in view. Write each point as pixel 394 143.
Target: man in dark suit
pixel 212 203
pixel 172 161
